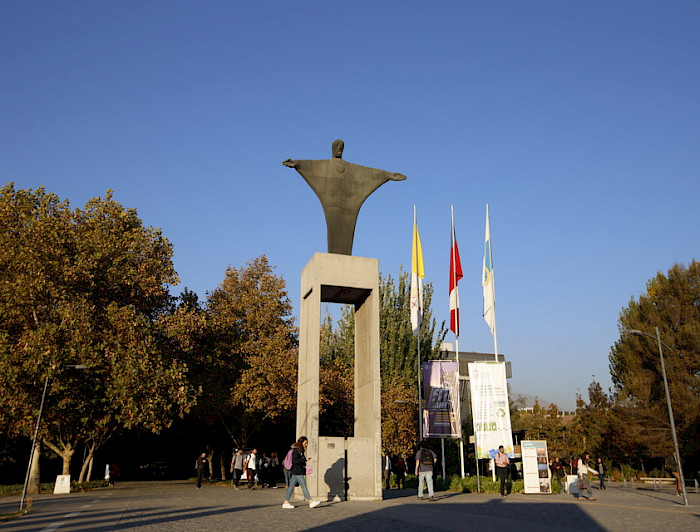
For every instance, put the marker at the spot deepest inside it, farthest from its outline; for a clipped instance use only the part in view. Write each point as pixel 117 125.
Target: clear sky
pixel 577 122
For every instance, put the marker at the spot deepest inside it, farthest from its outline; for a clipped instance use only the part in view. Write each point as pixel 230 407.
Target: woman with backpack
pixel 298 471
pixel 287 465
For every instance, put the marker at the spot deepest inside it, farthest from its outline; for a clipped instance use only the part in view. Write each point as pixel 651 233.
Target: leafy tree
pixel 589 431
pixel 399 412
pixel 399 348
pixel 641 423
pixel 336 398
pixel 252 361
pixel 84 287
pixel 542 423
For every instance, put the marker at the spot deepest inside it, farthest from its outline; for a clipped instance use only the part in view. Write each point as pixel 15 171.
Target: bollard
pixel 696 485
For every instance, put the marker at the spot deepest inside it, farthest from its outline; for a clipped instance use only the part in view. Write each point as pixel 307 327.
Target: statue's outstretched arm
pixel 397 177
pixel 290 163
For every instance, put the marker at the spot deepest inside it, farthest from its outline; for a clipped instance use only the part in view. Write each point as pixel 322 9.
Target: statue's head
pixel 338 146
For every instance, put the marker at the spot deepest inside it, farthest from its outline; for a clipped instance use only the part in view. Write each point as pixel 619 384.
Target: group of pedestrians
pixel 258 469
pixel 584 469
pixel 397 466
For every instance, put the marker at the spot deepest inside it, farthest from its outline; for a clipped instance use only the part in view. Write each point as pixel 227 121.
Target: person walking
pixel 401 472
pixel 263 470
pixel 425 460
pixel 298 476
pixel 287 465
pixel 252 468
pixel 386 469
pixel 558 471
pixel 113 474
pixel 584 483
pixel 502 462
pixel 199 466
pixel 237 468
pixel 274 470
pixel 601 473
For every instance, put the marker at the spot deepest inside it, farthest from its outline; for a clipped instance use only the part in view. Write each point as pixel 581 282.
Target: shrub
pixel 658 473
pixel 556 486
pixel 628 472
pixel 470 485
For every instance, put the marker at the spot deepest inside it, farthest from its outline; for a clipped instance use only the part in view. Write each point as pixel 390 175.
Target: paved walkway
pixel 179 506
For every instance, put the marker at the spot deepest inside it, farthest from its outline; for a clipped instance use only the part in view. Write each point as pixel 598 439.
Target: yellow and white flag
pixel 417 275
pixel 487 281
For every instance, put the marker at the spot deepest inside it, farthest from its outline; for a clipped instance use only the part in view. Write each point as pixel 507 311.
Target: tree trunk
pixel 86 463
pixel 89 473
pixel 65 452
pixel 34 486
pixel 210 456
pixel 67 456
pixel 222 465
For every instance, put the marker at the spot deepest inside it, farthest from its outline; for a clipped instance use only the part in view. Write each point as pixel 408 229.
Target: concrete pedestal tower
pixel 333 278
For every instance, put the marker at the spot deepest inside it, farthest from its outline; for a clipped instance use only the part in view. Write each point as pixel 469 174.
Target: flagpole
pixel 454 281
pixel 420 394
pixel 488 249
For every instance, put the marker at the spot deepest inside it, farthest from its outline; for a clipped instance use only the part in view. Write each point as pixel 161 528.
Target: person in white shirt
pixel 584 469
pixel 252 468
pixel 386 469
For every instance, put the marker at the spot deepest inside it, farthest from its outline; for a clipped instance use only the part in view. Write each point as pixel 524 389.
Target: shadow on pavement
pixel 105 521
pixel 491 515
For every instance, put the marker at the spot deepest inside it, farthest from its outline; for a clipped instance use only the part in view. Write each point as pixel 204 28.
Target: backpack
pixel 288 460
pixel 426 457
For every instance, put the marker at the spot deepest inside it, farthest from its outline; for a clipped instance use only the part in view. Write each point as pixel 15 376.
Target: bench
pixel 658 482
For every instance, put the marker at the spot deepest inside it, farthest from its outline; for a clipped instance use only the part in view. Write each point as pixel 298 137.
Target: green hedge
pixel 469 485
pixel 411 482
pixel 483 485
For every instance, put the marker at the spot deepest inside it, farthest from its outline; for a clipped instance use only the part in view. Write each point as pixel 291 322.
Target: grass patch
pixel 47 487
pixel 10 516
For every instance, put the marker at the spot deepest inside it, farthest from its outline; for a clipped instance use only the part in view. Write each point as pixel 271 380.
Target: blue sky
pixel 577 122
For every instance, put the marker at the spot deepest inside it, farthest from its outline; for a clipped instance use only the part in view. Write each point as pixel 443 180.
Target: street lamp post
pixel 36 433
pixel 668 403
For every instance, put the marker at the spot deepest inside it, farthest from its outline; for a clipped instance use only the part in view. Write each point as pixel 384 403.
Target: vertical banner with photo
pixel 490 410
pixel 441 415
pixel 536 467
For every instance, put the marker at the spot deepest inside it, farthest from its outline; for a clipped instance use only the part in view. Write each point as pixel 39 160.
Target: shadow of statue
pixel 334 478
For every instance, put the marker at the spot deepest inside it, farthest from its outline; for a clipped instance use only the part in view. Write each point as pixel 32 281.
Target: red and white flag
pixel 455 276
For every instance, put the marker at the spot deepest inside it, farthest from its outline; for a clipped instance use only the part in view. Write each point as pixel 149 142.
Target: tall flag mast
pixel 417 274
pixel 487 282
pixel 455 276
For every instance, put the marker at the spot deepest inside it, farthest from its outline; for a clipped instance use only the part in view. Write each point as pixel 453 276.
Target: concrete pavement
pixel 179 506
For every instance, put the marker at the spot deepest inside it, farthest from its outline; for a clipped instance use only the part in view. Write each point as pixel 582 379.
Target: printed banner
pixel 490 411
pixel 536 467
pixel 441 414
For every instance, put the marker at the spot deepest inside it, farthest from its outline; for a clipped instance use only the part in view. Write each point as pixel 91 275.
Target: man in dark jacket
pixel 199 466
